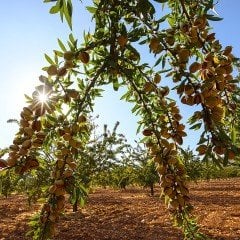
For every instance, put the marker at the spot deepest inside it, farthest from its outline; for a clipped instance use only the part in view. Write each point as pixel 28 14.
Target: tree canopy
pixel 55 120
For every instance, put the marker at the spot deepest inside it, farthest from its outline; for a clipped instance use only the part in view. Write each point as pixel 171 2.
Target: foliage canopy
pixel 186 52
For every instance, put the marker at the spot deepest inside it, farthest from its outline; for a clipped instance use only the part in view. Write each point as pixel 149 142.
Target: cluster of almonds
pixel 214 85
pixel 215 74
pixel 213 93
pixel 50 213
pixel 196 32
pixel 68 145
pixel 172 127
pixel 162 143
pixel 70 59
pixel 208 83
pixel 172 174
pixel 164 151
pixel 169 120
pixel 68 132
pixel 62 175
pixel 27 140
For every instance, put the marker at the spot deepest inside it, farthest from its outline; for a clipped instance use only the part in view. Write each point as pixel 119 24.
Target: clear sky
pixel 28 31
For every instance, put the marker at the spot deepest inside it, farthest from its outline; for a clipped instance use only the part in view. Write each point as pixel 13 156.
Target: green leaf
pixel 69 8
pixel 61 14
pixel 145 7
pixel 161 1
pixel 162 19
pixel 165 70
pixel 143 42
pixel 82 202
pixel 47 1
pixel 54 9
pixel 68 14
pixel 163 62
pixel 116 84
pixel 225 159
pixel 196 126
pixel 133 50
pixel 125 96
pixel 223 136
pixel 84 190
pixel 56 59
pixel 69 20
pixel 233 135
pixel 158 61
pixel 49 59
pixel 27 97
pixel 71 38
pixel 58 53
pixel 61 3
pixel 3 172
pixel 213 18
pixel 91 9
pixel 51 118
pixel 41 200
pixel 135 108
pixel 171 20
pixel 12 121
pixel 61 45
pixel 202 140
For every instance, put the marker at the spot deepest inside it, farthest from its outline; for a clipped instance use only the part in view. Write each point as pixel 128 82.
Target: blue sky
pixel 28 31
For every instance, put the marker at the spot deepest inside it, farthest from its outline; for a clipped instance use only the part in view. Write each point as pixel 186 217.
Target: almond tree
pixel 187 53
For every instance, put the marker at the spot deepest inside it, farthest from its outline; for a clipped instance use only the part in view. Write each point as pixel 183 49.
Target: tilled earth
pixel 133 215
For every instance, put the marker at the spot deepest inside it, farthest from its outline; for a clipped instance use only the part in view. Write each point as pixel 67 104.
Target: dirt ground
pixel 133 215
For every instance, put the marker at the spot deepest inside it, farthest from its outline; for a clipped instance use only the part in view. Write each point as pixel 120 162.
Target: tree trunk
pixel 75 207
pixel 152 189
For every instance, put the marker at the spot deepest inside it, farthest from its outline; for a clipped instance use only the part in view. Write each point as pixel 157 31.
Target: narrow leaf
pixel 91 9
pixel 61 45
pixel 48 59
pixel 213 18
pixel 54 9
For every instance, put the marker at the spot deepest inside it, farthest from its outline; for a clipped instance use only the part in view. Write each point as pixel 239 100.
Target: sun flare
pixel 43 98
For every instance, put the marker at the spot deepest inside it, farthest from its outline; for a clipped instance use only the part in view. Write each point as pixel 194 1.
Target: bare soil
pixel 133 215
